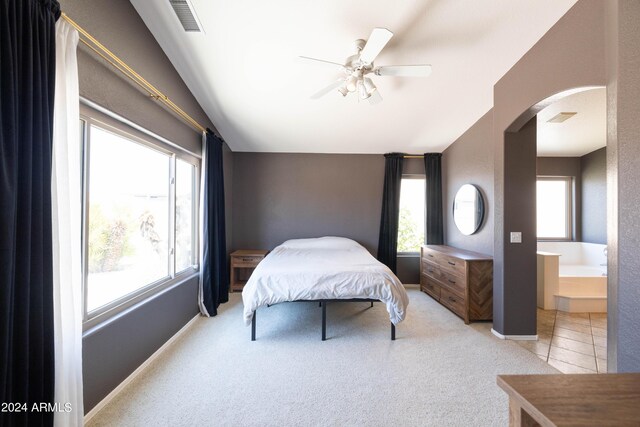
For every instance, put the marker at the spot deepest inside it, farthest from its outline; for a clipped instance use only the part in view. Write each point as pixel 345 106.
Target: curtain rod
pixel 413 156
pixel 120 65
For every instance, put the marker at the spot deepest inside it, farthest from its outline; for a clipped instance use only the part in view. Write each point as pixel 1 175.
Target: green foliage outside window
pixel 409 239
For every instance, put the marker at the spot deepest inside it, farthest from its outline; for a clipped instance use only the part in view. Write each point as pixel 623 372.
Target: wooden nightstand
pixel 243 262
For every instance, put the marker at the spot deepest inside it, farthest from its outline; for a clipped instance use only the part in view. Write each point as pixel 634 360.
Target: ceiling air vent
pixel 186 14
pixel 561 117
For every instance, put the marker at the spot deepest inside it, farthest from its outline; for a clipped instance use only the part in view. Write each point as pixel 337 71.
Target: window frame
pixel 570 203
pixel 111 122
pixel 424 218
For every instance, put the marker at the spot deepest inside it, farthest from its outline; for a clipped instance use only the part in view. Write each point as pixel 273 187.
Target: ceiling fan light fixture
pixel 364 94
pixel 352 83
pixel 369 86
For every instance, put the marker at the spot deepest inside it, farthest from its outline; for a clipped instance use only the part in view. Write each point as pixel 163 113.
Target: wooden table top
pixel 249 252
pixel 578 399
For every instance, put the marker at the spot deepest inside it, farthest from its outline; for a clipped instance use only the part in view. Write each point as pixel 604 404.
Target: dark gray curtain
pixel 433 172
pixel 388 237
pixel 27 79
pixel 215 278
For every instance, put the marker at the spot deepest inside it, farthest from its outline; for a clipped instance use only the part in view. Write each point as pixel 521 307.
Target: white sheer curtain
pixel 202 237
pixel 67 223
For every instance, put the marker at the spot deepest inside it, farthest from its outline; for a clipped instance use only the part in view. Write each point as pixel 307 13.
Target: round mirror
pixel 468 209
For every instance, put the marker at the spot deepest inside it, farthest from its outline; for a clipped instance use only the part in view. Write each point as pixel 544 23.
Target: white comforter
pixel 323 268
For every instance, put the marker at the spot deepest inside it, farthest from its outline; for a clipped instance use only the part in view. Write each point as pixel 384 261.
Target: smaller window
pixel 554 208
pixel 412 214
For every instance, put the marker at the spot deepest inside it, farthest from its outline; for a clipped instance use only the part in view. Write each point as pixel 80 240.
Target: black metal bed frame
pixel 323 303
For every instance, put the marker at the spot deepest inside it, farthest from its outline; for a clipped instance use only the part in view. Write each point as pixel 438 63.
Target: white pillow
pixel 327 242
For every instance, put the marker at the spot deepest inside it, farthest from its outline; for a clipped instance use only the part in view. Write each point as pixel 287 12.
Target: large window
pixel 412 214
pixel 140 216
pixel 554 208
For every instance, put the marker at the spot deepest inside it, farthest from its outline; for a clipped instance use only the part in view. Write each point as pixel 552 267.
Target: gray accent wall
pixel 288 196
pixel 111 352
pixel 117 25
pixel 517 314
pixel 469 160
pixel 593 168
pixel 114 349
pixel 566 166
pixel 623 191
pixel 281 196
pixel 570 55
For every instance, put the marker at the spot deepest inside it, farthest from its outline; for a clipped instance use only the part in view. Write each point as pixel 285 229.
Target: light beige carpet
pixel 438 372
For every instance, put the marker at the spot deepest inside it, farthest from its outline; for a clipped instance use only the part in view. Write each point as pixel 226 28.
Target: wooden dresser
pixel 460 280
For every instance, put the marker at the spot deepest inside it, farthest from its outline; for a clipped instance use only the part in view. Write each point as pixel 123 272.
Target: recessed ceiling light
pixel 561 117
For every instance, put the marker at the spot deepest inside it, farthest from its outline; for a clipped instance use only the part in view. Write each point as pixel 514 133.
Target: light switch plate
pixel 516 237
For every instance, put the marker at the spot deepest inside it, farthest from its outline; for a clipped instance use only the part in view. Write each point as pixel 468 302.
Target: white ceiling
pixel 581 134
pixel 245 73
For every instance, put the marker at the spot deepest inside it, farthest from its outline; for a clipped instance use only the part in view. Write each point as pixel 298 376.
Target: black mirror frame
pixel 479 213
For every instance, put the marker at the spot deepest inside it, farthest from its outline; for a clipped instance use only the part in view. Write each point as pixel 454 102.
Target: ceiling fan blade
pixel 377 41
pixel 404 70
pixel 341 66
pixel 327 89
pixel 375 98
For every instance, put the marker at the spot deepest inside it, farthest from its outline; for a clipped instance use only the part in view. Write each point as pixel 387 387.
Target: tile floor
pixel 573 343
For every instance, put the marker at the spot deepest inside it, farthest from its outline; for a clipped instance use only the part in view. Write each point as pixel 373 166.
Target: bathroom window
pixel 554 208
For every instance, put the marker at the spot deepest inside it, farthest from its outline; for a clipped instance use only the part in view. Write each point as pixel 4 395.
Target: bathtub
pixel 572 276
pixel 581 271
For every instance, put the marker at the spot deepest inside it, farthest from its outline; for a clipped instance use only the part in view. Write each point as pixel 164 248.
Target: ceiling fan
pixel 358 66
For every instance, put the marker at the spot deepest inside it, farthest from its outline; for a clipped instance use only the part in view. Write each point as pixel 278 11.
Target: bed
pixel 324 269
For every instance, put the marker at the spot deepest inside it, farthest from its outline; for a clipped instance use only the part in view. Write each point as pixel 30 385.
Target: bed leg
pixel 324 321
pixel 319 303
pixel 253 326
pixel 371 304
pixel 393 332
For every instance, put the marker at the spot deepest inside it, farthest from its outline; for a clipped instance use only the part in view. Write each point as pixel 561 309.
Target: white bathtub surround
pixel 548 279
pixel 581 284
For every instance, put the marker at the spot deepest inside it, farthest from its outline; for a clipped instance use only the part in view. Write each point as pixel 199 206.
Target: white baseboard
pixel 137 372
pixel 514 337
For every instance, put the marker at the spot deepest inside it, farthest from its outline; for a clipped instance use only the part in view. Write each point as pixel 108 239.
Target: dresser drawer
pixel 452 301
pixel 453 283
pixel 453 266
pixel 430 286
pixel 246 261
pixel 431 270
pixel 446 263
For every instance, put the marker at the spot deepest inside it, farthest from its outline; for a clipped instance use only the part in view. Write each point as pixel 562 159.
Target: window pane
pixel 185 224
pixel 552 205
pixel 411 224
pixel 128 217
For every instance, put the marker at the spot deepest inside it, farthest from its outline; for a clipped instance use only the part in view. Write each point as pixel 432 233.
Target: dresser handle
pixel 430 270
pixel 451 263
pixel 247 259
pixel 452 281
pixel 430 255
pixel 452 299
